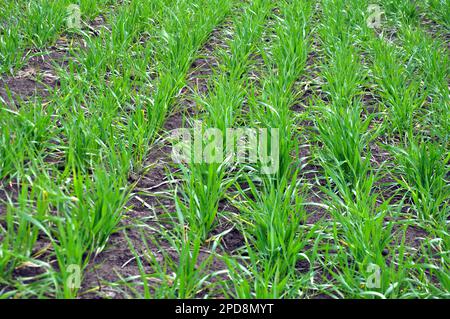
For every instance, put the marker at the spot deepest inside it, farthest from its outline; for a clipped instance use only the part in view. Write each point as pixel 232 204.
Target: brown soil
pixel 38 78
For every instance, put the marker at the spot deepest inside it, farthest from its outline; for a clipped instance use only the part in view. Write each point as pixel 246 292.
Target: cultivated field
pixel 224 149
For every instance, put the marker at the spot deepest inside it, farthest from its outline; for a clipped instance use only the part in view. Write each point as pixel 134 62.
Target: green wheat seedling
pixel 429 59
pixel 13 148
pixel 248 29
pixel 431 63
pixel 82 225
pixel 22 228
pixel 344 137
pixel 275 213
pixel 90 9
pixel 439 10
pixel 19 235
pixel 177 53
pixel 435 265
pixel 423 168
pixel 183 276
pixel 204 186
pixel 10 50
pixel 226 97
pixel 273 223
pixel 402 11
pixel 25 134
pixel 402 95
pixel 38 24
pixel 253 279
pixel 343 76
pixel 341 131
pixel 43 21
pixel 369 275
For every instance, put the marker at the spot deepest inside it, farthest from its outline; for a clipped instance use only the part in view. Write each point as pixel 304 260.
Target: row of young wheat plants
pixel 271 205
